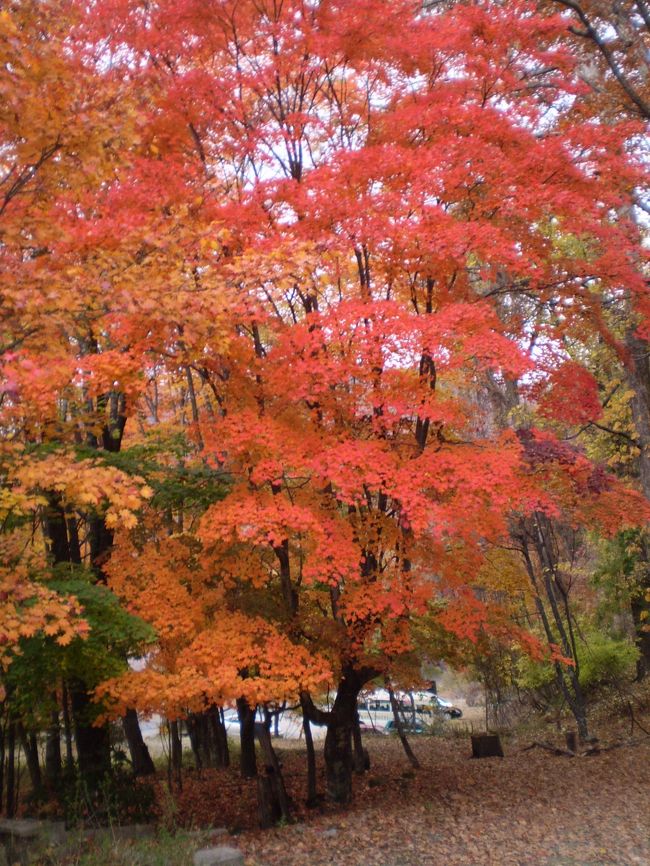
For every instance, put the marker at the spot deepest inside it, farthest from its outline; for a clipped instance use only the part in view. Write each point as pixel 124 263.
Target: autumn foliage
pixel 279 282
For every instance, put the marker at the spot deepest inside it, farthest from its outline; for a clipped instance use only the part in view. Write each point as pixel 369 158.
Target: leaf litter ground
pixel 530 807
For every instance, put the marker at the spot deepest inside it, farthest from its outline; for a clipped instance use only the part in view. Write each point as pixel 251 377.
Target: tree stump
pixel 486 746
pixel 572 741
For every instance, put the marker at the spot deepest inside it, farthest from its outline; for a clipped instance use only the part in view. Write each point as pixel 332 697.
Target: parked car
pixel 375 710
pixel 408 726
pixel 431 702
pixel 231 721
pixel 447 708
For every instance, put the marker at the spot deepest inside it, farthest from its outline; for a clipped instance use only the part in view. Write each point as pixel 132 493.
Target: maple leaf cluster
pixel 29 607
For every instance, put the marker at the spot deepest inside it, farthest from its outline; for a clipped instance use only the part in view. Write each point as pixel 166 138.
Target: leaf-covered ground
pixel 530 807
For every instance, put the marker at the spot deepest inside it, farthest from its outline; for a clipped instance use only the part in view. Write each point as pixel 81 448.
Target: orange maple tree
pixel 334 224
pixel 356 195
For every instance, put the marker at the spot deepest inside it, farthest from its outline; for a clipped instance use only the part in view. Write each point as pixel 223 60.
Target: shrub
pixel 606 660
pixel 603 660
pixel 119 799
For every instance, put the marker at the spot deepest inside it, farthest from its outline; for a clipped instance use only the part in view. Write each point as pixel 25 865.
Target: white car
pixel 435 702
pixel 231 721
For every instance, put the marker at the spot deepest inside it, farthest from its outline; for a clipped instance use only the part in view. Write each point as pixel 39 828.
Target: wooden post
pixel 486 746
pixel 572 741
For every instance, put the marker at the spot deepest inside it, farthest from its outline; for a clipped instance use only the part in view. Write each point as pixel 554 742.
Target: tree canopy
pixel 303 307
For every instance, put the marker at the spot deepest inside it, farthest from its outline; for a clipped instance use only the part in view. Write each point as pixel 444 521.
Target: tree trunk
pixel 100 540
pixel 74 545
pixel 268 808
pixel 140 757
pixel 208 738
pixel 408 751
pixel 567 677
pixel 55 530
pixel 53 766
pixel 11 771
pixel 93 743
pixel 338 741
pixel 30 748
pixel 638 607
pixel 637 375
pixel 2 764
pixel 219 737
pixel 176 754
pixel 578 706
pixel 193 729
pixel 67 727
pixel 247 759
pixel 272 793
pixel 361 758
pixel 312 793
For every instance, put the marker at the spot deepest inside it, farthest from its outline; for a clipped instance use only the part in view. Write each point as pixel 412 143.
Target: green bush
pixel 603 660
pixel 606 660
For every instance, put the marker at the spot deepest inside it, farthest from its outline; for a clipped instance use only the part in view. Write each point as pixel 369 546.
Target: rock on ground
pixel 223 855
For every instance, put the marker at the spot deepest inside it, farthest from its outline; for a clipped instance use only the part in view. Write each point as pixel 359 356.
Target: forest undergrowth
pixel 531 807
